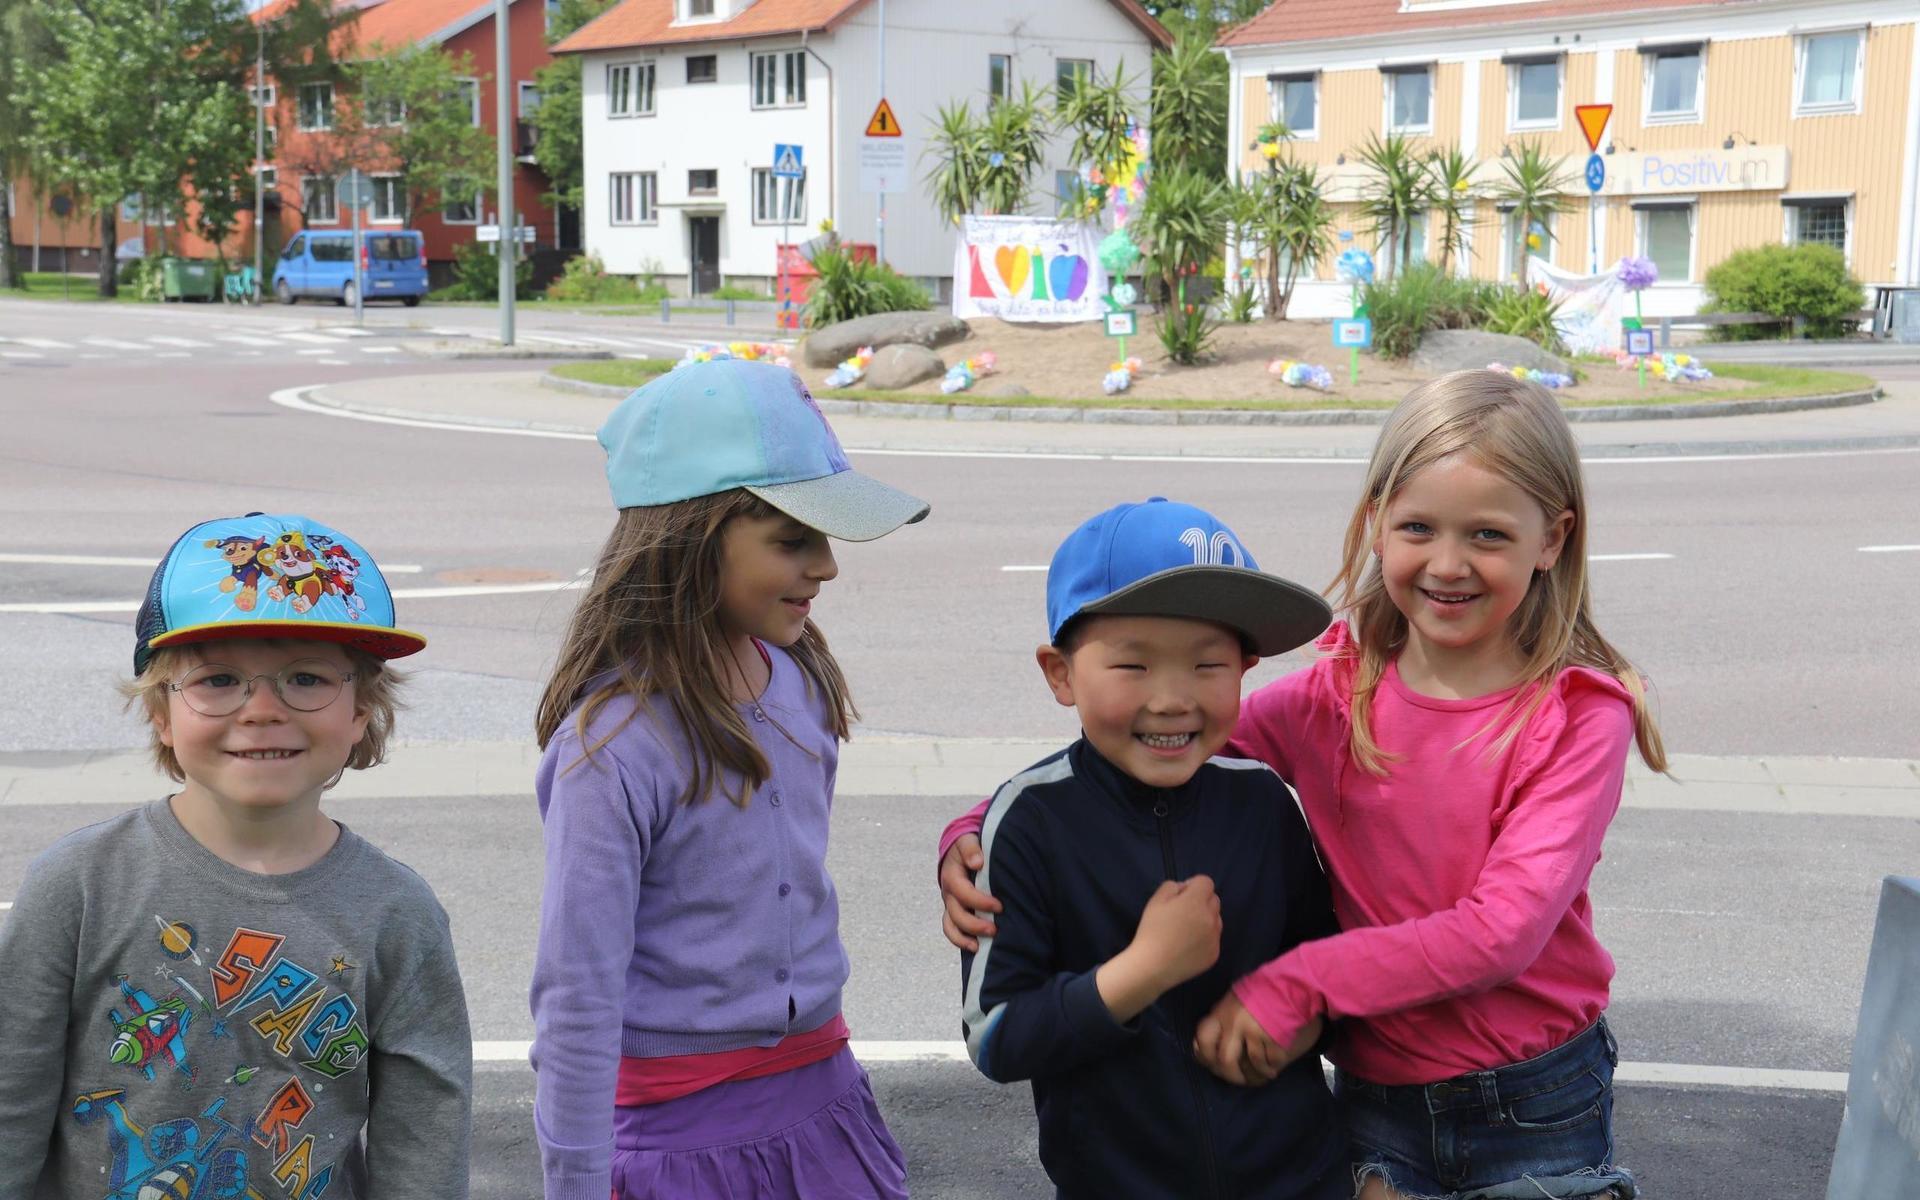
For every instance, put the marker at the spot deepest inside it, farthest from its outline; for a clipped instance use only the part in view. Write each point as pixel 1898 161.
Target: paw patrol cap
pixel 733 423
pixel 1165 559
pixel 268 576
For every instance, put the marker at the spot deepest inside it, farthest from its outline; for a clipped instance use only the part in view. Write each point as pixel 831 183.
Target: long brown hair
pixel 650 617
pixel 1514 429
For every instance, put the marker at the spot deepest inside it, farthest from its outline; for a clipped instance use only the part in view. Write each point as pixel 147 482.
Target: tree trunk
pixel 109 230
pixel 8 277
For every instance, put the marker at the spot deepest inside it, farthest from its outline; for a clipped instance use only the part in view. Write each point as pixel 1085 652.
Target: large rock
pixel 902 366
pixel 1467 349
pixel 830 346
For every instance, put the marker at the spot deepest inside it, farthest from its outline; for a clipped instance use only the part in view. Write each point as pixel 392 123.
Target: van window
pixel 295 247
pixel 332 250
pixel 389 248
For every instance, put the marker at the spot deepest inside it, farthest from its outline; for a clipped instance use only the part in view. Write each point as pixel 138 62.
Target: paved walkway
pixel 516 401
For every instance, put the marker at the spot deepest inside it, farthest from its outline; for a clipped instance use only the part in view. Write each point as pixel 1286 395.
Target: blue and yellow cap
pixel 268 576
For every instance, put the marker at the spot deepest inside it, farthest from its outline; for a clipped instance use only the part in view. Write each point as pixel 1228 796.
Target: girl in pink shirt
pixel 1459 751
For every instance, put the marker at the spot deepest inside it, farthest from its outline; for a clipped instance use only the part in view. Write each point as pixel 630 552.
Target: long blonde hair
pixel 650 618
pixel 1516 430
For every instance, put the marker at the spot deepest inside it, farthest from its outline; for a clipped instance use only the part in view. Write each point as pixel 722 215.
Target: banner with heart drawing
pixel 1028 269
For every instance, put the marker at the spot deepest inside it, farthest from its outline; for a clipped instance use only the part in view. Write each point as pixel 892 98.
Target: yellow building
pixel 1733 124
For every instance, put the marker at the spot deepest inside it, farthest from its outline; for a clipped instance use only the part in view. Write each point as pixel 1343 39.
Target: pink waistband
pixel 655 1080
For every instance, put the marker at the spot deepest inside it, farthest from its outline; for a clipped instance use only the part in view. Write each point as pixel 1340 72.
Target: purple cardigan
pixel 734 939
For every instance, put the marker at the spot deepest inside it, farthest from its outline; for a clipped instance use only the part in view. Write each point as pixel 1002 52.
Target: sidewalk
pixel 872 765
pixel 515 400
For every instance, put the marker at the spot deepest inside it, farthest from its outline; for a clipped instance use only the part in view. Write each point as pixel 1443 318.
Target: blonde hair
pixel 376 692
pixel 651 619
pixel 1516 430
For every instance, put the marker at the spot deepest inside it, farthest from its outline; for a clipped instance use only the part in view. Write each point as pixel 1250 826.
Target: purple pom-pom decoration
pixel 1637 274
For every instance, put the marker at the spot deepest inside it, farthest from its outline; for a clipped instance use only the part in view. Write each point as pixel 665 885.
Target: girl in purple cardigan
pixel 686 994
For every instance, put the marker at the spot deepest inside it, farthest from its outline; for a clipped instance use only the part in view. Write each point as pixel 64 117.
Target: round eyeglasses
pixel 306 685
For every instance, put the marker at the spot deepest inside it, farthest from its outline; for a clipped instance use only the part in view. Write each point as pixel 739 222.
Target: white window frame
pixel 473 91
pixel 1277 101
pixel 399 199
pixel 270 137
pixel 1650 57
pixel 709 82
pixel 1801 43
pixel 265 96
pixel 521 88
pixel 327 193
pixel 1390 78
pixel 1006 79
pixel 643 198
pixel 479 208
pixel 1090 65
pixel 269 178
pixel 641 76
pixel 300 108
pixel 1535 125
pixel 1791 206
pixel 699 10
pixel 368 108
pixel 783 68
pixel 1643 214
pixel 1509 269
pixel 712 191
pixel 552 10
pixel 763 177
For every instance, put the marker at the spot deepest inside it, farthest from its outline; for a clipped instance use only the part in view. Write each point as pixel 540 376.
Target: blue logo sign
pixel 1596 172
pixel 786 162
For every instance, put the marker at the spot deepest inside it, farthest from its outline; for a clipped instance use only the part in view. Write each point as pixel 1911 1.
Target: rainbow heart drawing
pixel 1062 277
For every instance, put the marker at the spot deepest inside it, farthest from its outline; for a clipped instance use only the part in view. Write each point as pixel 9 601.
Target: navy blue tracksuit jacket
pixel 1074 848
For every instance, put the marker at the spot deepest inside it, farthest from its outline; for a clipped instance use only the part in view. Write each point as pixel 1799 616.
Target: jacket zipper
pixel 1163 821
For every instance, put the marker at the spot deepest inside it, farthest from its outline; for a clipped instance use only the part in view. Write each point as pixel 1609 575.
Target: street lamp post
pixel 259 150
pixel 503 111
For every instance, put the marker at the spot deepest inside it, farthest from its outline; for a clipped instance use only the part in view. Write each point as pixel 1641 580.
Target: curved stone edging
pixel 1232 416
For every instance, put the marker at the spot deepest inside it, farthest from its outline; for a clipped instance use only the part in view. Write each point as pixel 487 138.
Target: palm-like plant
pixel 956 149
pixel 1189 100
pixel 1533 188
pixel 1101 118
pixel 1392 200
pixel 1454 197
pixel 1303 234
pixel 1015 133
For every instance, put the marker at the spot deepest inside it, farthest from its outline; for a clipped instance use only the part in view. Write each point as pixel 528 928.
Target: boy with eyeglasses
pixel 225 992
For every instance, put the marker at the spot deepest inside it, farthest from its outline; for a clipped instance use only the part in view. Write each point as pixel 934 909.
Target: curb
pixel 436 352
pixel 1229 416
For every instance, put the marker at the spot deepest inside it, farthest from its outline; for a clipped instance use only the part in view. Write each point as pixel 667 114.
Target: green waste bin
pixel 188 279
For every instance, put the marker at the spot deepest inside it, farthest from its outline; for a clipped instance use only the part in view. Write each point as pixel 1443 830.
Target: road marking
pixel 20 354
pixel 1041 567
pixel 329 362
pixel 379 349
pixel 176 341
pixel 174 354
pixel 313 351
pixel 1888 549
pixel 1625 557
pixel 621 343
pixel 76 607
pixel 346 331
pixel 309 337
pixel 6 904
pixel 110 560
pixel 1752 1078
pixel 116 344
pixel 246 339
pixel 296 399
pixel 44 343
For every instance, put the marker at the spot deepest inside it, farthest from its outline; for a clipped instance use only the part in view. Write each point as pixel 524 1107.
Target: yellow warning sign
pixel 883 123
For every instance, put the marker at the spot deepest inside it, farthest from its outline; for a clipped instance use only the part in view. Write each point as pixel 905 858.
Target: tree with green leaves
pixel 22 39
pixel 1189 103
pixel 1534 188
pixel 1455 198
pixel 434 146
pixel 1100 117
pixel 559 148
pixel 1399 190
pixel 986 164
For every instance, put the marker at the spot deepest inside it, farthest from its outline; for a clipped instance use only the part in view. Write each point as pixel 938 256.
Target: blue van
pixel 320 263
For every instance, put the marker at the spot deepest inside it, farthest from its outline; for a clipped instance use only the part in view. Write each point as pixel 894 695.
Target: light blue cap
pixel 733 423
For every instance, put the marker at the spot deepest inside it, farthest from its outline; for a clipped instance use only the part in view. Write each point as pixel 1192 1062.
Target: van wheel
pixel 347 295
pixel 282 292
pixel 411 301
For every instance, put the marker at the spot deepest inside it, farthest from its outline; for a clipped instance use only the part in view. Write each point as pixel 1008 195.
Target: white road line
pixel 295 398
pixel 109 560
pixel 309 337
pixel 1754 1078
pixel 74 607
pixel 176 341
pixel 174 354
pixel 1888 549
pixel 5 904
pixel 1625 557
pixel 379 349
pixel 346 331
pixel 313 351
pixel 246 339
pixel 20 354
pixel 452 332
pixel 44 343
pixel 1025 567
pixel 116 344
pixel 330 362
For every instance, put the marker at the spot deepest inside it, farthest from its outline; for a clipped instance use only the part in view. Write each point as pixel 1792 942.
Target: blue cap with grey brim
pixel 733 423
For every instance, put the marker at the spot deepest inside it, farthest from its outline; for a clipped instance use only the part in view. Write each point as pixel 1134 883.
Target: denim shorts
pixel 1538 1129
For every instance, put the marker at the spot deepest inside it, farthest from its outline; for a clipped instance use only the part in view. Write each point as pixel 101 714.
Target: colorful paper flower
pixel 1637 273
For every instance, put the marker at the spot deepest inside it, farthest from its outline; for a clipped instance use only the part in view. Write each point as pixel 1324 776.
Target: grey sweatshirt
pixel 175 1026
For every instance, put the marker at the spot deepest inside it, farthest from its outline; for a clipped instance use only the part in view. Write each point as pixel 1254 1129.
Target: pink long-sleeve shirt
pixel 1460 879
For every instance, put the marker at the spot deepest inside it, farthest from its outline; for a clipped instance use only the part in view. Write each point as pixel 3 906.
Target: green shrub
pixel 1807 281
pixel 1405 307
pixel 1185 331
pixel 585 281
pixel 1241 302
pixel 848 287
pixel 1525 312
pixel 141 276
pixel 734 291
pixel 476 276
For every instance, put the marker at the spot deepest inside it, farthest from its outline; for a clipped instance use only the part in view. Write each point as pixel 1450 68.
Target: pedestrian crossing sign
pixel 883 123
pixel 786 162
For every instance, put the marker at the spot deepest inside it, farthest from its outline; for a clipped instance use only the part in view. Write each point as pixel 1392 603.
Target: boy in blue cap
pixel 1141 875
pixel 224 992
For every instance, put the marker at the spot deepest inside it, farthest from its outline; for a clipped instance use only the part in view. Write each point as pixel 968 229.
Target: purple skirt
pixel 813 1133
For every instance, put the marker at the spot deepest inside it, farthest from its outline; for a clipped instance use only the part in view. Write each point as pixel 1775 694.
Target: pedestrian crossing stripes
pixel 323 345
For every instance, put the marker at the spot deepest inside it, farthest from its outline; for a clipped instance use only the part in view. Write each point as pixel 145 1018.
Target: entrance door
pixel 705 235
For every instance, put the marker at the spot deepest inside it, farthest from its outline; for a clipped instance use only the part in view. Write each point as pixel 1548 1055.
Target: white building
pixel 684 101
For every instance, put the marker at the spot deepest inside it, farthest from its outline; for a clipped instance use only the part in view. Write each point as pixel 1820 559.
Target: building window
pixel 703 68
pixel 1514 244
pixel 1410 242
pixel 265 97
pixel 386 110
pixel 553 10
pixel 1069 74
pixel 999 77
pixel 780 80
pixel 1673 84
pixel 389 200
pixel 630 90
pixel 773 203
pixel 317 200
pixel 462 211
pixel 316 106
pixel 699 8
pixel 703 182
pixel 1068 194
pixel 470 91
pixel 1292 101
pixel 1665 235
pixel 1829 67
pixel 529 99
pixel 1818 222
pixel 1410 100
pixel 269 178
pixel 633 195
pixel 1534 87
pixel 270 137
